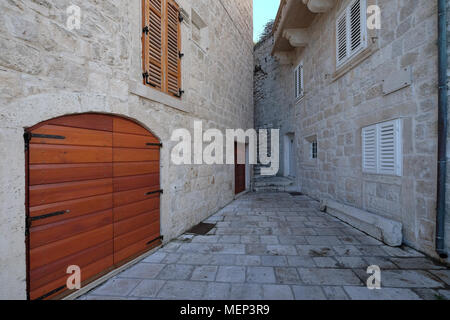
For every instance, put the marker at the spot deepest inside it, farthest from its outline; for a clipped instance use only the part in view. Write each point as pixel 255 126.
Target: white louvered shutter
pixel 298 75
pixel 389 145
pixel 357 26
pixel 302 84
pixel 341 38
pixel 382 148
pixel 351 31
pixel 369 140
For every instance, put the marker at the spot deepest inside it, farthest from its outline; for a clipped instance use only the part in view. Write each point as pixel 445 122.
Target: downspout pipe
pixel 442 129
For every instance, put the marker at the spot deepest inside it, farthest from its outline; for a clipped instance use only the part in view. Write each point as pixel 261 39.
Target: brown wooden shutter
pixel 153 56
pixel 173 63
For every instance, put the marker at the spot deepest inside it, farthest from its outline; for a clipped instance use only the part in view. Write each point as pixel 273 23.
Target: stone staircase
pixel 272 183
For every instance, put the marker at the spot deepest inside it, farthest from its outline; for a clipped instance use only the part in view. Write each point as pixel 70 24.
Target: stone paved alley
pixel 277 246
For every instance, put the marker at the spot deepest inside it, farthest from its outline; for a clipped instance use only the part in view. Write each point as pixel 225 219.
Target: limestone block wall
pixel 336 109
pixel 273 94
pixel 47 71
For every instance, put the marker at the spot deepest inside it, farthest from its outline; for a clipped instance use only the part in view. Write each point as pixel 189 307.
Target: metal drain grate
pixel 202 229
pixel 296 194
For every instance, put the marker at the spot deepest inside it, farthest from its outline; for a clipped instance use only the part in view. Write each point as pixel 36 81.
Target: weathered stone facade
pixel 48 71
pixel 336 107
pixel 273 94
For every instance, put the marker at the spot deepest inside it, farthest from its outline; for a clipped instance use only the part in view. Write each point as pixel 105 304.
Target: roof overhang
pixel 292 21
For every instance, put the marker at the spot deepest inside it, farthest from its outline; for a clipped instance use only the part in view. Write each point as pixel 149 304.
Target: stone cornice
pixel 319 6
pixel 297 37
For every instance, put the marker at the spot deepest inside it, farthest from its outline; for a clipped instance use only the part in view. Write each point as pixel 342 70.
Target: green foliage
pixel 267 31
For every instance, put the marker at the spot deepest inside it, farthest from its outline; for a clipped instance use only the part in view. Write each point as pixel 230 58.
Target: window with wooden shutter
pixel 173 77
pixel 351 31
pixel 382 148
pixel 153 43
pixel 161 44
pixel 298 80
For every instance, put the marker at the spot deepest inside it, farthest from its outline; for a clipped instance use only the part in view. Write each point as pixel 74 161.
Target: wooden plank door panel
pixel 136 176
pixel 59 173
pixel 70 203
pixel 91 198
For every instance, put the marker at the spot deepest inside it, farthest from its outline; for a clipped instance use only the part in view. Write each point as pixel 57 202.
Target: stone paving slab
pixel 275 246
pixel 362 293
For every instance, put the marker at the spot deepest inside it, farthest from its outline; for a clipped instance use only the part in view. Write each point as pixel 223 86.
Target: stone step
pixel 273 184
pixel 272 189
pixel 381 228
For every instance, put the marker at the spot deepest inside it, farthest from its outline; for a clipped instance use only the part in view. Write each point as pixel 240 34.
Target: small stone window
pixel 200 31
pixel 298 81
pixel 313 150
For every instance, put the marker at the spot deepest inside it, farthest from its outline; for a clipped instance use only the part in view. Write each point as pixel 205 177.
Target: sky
pixel 263 12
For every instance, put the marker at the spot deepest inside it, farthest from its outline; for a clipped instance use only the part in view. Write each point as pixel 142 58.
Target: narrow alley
pixel 270 246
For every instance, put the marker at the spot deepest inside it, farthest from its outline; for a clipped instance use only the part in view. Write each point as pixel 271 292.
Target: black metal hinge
pixel 145 75
pixel 180 17
pixel 180 93
pixel 49 215
pixel 29 220
pixel 146 30
pixel 27 226
pixel 27 138
pixel 47 136
pixel 155 145
pixel 51 293
pixel 180 54
pixel 154 192
pixel 152 241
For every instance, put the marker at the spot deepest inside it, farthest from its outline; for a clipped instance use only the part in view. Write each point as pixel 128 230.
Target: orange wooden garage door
pixel 93 198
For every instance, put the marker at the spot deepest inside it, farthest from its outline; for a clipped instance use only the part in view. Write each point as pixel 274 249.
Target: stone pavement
pixel 277 246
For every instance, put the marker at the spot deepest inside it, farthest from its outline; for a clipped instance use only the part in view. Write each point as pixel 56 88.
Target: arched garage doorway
pixel 93 198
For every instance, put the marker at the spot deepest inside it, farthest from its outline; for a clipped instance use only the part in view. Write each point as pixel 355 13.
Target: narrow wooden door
pixel 239 172
pixel 90 198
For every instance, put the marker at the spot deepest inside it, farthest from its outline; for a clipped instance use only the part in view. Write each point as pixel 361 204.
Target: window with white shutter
pixel 369 141
pixel 382 148
pixel 298 80
pixel 351 31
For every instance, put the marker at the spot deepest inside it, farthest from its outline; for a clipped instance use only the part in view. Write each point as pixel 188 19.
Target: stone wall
pixel 336 109
pixel 273 94
pixel 48 71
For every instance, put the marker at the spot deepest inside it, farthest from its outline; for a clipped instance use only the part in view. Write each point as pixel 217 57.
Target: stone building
pixel 360 106
pixel 52 67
